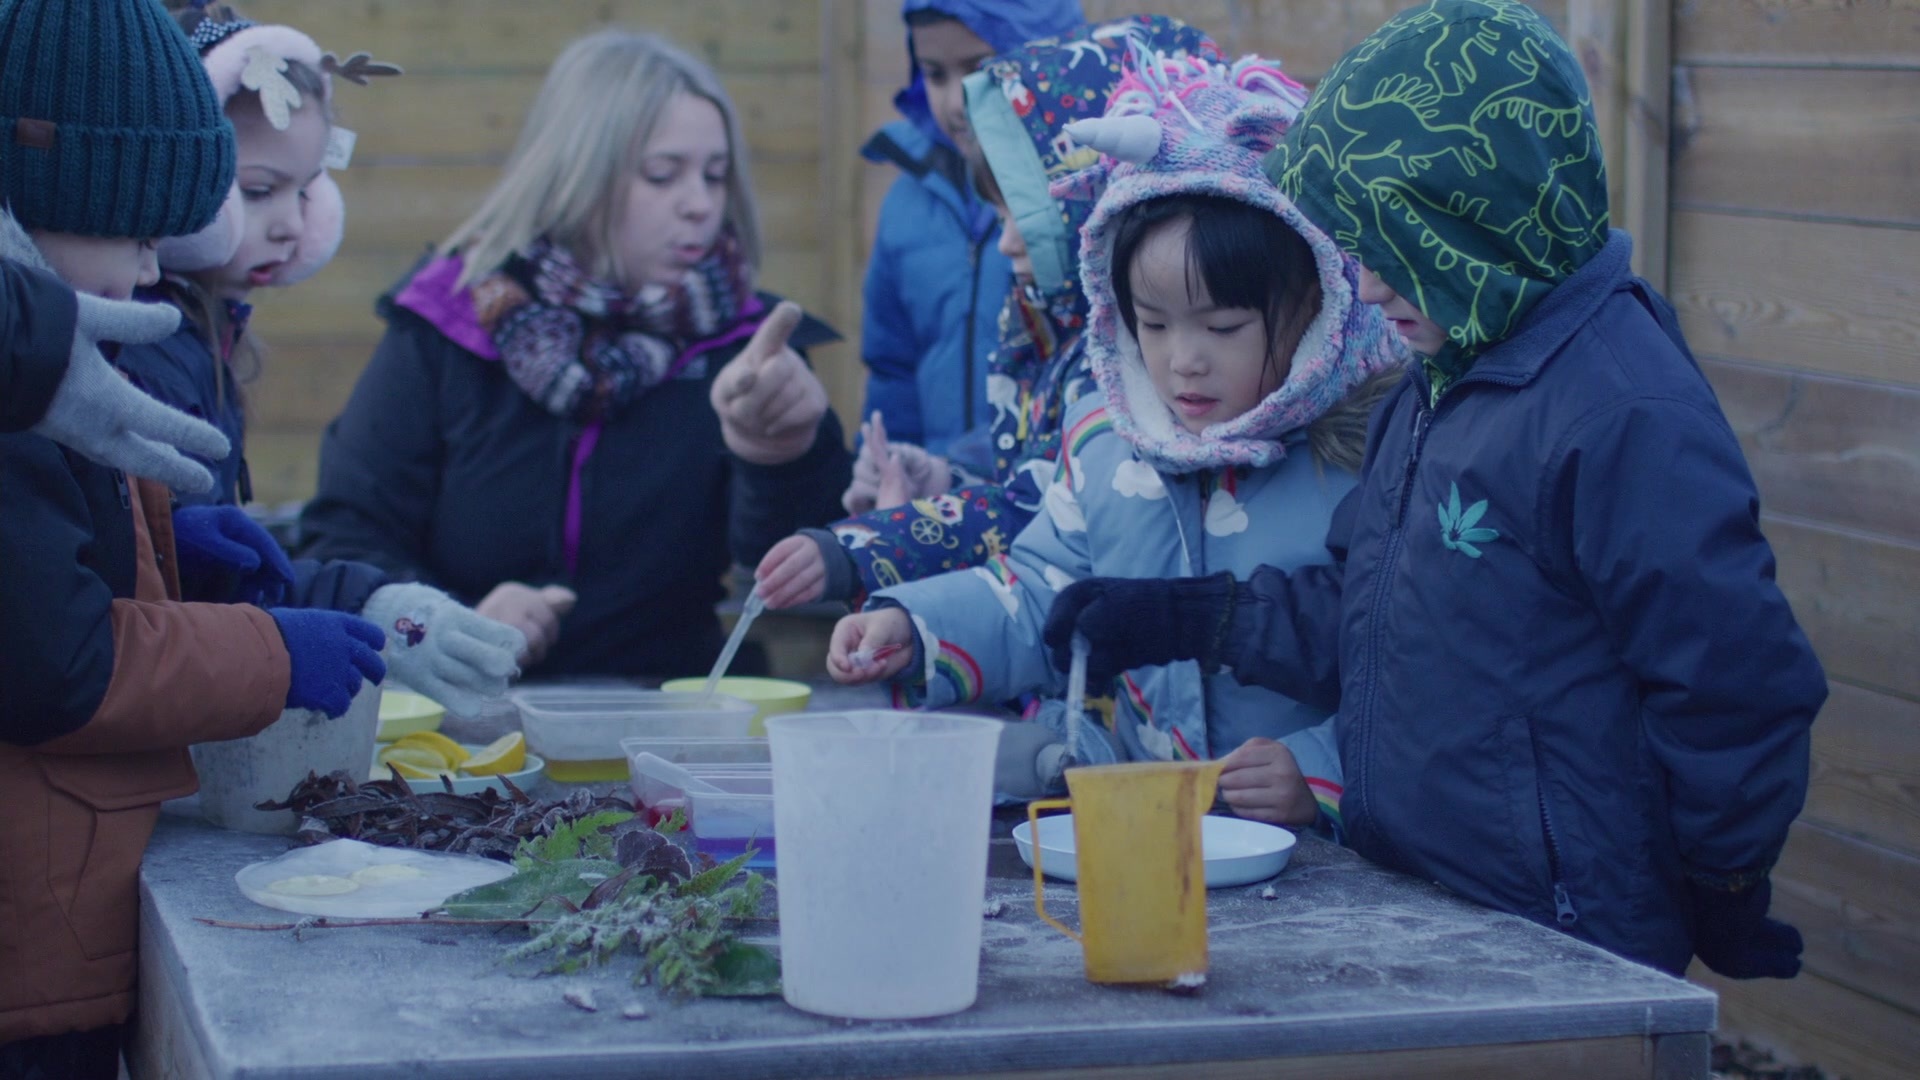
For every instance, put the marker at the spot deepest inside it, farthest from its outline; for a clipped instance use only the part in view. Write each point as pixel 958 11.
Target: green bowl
pixel 403 712
pixel 770 697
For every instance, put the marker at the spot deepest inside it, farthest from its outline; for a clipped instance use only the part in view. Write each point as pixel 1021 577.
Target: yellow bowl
pixel 403 713
pixel 770 697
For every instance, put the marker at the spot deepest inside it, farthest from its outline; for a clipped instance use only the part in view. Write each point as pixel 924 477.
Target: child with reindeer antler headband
pixel 280 224
pixel 1236 366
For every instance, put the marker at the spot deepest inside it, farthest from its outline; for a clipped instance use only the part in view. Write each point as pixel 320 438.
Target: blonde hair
pixel 580 144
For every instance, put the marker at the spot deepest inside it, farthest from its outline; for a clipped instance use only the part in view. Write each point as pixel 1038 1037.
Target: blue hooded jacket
pixel 935 282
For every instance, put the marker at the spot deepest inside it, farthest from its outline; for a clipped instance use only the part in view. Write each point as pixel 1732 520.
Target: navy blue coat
pixel 1566 678
pixel 181 371
pixel 37 314
pixel 442 470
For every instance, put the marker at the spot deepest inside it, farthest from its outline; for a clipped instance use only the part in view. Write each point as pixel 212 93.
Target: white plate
pixel 1236 851
pixel 522 777
pixel 440 875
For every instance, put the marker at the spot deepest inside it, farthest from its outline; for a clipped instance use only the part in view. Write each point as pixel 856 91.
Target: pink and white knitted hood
pixel 1189 127
pixel 244 55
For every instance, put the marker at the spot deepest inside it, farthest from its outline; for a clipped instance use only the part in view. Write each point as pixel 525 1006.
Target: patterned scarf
pixel 1454 153
pixel 584 348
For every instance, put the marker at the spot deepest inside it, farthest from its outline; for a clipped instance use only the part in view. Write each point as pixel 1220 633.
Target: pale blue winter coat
pixel 1136 495
pixel 1110 514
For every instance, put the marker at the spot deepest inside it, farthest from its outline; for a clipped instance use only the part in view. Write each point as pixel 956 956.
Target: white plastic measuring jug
pixel 881 865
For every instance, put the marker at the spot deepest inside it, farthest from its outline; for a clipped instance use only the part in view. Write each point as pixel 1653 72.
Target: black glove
pixel 1734 937
pixel 1131 623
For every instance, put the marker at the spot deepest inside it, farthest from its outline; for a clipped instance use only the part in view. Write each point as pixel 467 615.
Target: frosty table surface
pixel 1351 970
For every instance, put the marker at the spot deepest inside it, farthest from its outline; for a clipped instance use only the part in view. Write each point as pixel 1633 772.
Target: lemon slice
pixel 374 875
pixel 452 753
pixel 313 885
pixel 506 754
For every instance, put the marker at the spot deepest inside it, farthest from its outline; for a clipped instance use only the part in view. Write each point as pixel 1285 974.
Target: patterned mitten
pixel 444 650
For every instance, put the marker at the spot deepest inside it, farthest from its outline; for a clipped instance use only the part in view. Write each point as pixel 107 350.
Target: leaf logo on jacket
pixel 1458 528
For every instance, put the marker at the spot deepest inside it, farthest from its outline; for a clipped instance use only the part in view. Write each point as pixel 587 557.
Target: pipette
pixel 748 612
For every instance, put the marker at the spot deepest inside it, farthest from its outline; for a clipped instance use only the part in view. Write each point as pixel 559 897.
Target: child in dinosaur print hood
pixel 1236 367
pixel 1569 687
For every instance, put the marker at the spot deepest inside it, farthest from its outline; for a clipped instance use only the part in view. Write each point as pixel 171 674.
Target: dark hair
pixel 1244 256
pixel 929 17
pixel 985 184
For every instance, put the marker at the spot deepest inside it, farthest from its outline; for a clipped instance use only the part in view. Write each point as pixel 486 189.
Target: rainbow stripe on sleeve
pixel 1326 794
pixel 1082 433
pixel 960 670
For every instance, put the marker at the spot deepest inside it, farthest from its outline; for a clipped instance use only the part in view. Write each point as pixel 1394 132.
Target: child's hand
pixel 872 646
pixel 1261 782
pixel 792 573
pixel 887 474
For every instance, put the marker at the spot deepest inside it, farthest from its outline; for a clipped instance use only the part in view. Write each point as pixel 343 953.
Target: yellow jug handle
pixel 1039 886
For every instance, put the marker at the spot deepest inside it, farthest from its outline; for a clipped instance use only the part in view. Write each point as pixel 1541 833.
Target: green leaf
pixel 518 896
pixel 1480 536
pixel 1446 523
pixel 742 970
pixel 672 823
pixel 708 882
pixel 1471 551
pixel 1473 515
pixel 1453 504
pixel 582 838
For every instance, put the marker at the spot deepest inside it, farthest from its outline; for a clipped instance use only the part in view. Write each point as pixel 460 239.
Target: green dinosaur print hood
pixel 1454 153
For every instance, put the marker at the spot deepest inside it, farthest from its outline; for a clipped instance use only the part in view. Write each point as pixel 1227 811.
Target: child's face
pixel 1014 246
pixel 1208 363
pixel 104 266
pixel 1421 334
pixel 676 203
pixel 948 52
pixel 275 168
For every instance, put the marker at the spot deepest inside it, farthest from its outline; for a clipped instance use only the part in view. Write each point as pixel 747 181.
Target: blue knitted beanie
pixel 108 126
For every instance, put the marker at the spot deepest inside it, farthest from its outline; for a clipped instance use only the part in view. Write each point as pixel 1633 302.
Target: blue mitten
pixel 1734 937
pixel 331 652
pixel 1132 623
pixel 227 558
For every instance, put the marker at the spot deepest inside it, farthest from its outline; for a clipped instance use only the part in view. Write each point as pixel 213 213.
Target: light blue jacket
pixel 934 288
pixel 1107 513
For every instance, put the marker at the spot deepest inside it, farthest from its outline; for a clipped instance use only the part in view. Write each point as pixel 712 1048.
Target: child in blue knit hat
pixel 1236 366
pixel 105 679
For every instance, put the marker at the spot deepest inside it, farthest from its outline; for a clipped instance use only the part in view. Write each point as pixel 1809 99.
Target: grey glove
pixel 442 649
pixel 1030 761
pixel 98 412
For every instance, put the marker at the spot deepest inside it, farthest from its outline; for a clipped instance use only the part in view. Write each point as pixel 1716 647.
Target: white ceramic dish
pixel 1236 851
pixel 423 881
pixel 522 777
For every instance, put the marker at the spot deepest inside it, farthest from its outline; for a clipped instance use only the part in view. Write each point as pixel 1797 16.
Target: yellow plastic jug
pixel 1142 878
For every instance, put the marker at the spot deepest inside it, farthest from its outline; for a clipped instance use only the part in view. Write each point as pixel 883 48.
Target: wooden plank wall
pixel 812 79
pixel 1795 265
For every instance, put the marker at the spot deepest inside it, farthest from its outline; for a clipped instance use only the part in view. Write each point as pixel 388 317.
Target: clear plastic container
pixel 739 816
pixel 578 730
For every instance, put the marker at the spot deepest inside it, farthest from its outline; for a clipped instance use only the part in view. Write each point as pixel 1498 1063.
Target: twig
pixel 324 923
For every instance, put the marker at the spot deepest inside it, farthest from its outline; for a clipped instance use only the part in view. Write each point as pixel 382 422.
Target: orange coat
pixel 76 810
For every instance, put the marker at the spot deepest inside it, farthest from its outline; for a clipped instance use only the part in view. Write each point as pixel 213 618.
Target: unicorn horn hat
pixel 240 54
pixel 1187 126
